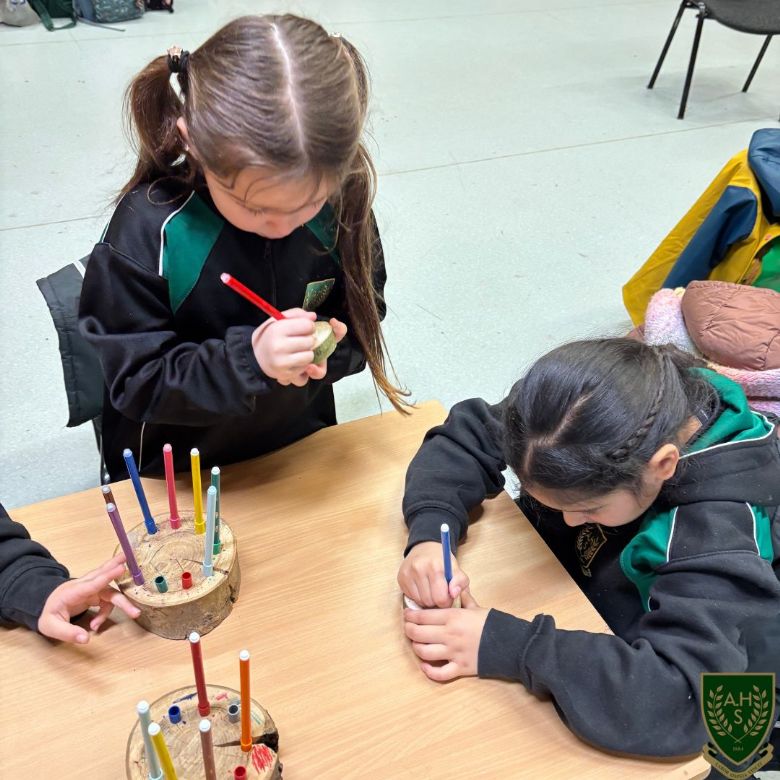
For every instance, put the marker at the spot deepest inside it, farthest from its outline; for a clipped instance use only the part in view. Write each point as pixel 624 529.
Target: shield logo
pixel 738 712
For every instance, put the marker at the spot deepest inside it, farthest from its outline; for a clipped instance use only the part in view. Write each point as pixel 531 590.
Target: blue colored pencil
pixel 446 552
pixel 132 470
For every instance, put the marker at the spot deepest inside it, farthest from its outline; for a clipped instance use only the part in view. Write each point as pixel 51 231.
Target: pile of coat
pixel 712 286
pixel 735 328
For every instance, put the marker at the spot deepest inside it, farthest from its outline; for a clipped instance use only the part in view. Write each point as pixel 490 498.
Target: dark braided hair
pixel 621 453
pixel 588 416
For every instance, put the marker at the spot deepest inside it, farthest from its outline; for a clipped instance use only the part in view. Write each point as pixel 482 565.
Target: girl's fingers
pixel 294 344
pixel 317 370
pixel 440 673
pixel 414 593
pixel 424 589
pixel 431 652
pixel 57 628
pixel 339 329
pixel 111 565
pixel 427 617
pixel 296 327
pixel 296 361
pixel 121 601
pixel 300 380
pixel 86 587
pixel 458 583
pixel 102 614
pixel 299 314
pixel 440 592
pixel 467 600
pixel 425 635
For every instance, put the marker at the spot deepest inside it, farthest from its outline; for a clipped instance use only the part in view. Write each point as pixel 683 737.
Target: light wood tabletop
pixel 320 537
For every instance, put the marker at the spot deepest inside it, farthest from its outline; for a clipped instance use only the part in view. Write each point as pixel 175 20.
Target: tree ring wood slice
pixel 183 738
pixel 177 612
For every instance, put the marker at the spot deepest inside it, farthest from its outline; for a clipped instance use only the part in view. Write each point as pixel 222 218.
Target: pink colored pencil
pixel 252 297
pixel 171 484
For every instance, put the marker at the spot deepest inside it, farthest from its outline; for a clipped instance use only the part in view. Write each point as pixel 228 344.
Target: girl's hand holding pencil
pixel 284 345
pixel 284 348
pixel 422 576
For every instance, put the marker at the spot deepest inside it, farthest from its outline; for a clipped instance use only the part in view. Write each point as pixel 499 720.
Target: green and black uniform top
pixel 175 343
pixel 691 586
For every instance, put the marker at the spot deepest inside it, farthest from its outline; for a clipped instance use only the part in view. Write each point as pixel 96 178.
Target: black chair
pixel 759 17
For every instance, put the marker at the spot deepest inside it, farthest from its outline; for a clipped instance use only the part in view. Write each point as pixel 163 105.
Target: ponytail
pixel 151 108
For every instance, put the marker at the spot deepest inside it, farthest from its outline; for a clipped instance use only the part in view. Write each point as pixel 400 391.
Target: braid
pixel 621 453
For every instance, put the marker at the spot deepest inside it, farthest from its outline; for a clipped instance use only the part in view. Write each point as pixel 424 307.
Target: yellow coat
pixel 725 233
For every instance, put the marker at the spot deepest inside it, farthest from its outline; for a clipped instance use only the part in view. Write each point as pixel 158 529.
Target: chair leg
pixel 691 65
pixel 683 5
pixel 757 63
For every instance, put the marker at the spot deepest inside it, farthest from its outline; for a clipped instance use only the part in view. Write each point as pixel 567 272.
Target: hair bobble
pixel 178 59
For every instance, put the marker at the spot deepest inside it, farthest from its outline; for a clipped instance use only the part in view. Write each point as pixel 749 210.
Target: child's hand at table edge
pixel 74 596
pixel 421 576
pixel 318 370
pixel 449 635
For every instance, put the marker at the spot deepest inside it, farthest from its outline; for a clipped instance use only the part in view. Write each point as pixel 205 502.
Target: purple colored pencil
pixel 124 542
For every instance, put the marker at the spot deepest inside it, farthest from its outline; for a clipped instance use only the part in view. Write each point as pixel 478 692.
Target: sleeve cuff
pixel 238 345
pixel 503 645
pixel 32 583
pixel 425 526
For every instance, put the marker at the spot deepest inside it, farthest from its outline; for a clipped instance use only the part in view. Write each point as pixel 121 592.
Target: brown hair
pixel 280 93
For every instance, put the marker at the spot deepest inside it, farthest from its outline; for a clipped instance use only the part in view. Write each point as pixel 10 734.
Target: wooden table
pixel 320 538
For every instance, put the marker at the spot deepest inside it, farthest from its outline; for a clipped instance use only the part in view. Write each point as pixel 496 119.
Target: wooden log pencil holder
pixel 183 738
pixel 170 552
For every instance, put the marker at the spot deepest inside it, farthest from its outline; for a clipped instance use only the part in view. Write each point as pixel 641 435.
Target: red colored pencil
pixel 200 679
pixel 252 297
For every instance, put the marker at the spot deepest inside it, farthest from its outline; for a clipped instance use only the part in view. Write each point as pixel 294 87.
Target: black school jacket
pixel 28 574
pixel 692 586
pixel 175 343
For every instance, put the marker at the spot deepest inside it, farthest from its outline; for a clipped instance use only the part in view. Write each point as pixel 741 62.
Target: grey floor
pixel 525 173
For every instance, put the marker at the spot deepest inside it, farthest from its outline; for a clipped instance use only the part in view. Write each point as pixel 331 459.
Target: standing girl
pixel 658 489
pixel 253 167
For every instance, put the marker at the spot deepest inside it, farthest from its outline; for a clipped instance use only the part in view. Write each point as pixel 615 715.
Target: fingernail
pixel 82 639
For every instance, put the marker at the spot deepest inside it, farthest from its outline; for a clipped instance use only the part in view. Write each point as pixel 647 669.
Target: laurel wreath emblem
pixel 720 723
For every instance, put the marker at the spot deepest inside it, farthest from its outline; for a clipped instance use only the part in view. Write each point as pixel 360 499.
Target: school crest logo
pixel 738 712
pixel 590 540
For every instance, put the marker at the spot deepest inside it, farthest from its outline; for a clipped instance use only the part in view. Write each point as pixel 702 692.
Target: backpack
pixel 54 9
pixel 110 11
pixel 17 13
